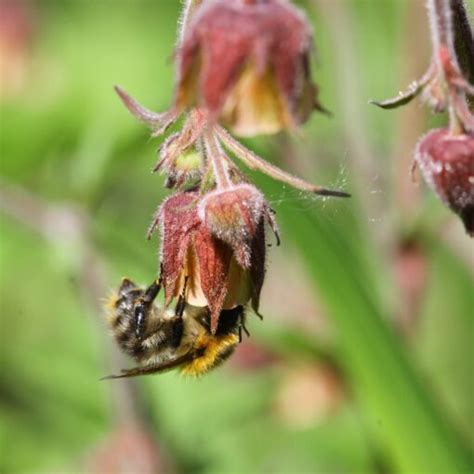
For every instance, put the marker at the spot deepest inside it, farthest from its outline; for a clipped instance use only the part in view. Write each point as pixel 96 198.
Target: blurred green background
pixel 364 360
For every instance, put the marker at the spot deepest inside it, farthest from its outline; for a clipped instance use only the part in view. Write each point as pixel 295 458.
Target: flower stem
pixel 215 156
pixel 441 24
pixel 442 15
pixel 455 125
pixel 253 161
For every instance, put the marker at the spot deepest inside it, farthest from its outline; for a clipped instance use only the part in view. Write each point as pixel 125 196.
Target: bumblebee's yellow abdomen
pixel 216 350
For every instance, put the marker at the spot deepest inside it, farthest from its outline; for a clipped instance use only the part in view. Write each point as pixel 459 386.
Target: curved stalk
pixel 254 162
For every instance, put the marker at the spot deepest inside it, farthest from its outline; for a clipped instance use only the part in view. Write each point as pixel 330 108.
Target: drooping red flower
pixel 247 62
pixel 447 164
pixel 203 268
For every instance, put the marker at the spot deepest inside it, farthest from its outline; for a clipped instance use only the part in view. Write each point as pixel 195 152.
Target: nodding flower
pixel 247 63
pixel 446 162
pixel 213 248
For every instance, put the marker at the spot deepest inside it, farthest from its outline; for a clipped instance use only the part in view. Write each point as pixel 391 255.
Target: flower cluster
pixel 243 64
pixel 445 156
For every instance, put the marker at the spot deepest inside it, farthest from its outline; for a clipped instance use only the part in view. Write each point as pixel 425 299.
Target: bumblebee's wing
pixel 152 369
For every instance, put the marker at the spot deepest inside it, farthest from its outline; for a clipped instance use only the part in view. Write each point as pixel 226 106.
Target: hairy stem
pixel 215 156
pixel 441 24
pixel 442 13
pixel 188 9
pixel 253 161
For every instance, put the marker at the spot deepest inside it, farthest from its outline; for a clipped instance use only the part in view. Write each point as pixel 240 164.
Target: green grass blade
pixel 399 408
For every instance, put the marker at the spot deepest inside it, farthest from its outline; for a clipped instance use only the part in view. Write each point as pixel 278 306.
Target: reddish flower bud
pixel 247 62
pixel 447 164
pixel 202 267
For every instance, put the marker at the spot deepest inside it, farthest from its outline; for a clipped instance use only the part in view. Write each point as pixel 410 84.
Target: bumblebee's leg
pixel 180 305
pixel 246 331
pixel 242 326
pixel 178 316
pixel 143 305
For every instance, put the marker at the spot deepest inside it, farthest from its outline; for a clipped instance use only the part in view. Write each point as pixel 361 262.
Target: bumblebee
pixel 160 340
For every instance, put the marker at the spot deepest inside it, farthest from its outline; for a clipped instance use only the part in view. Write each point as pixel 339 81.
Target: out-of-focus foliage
pixel 363 362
